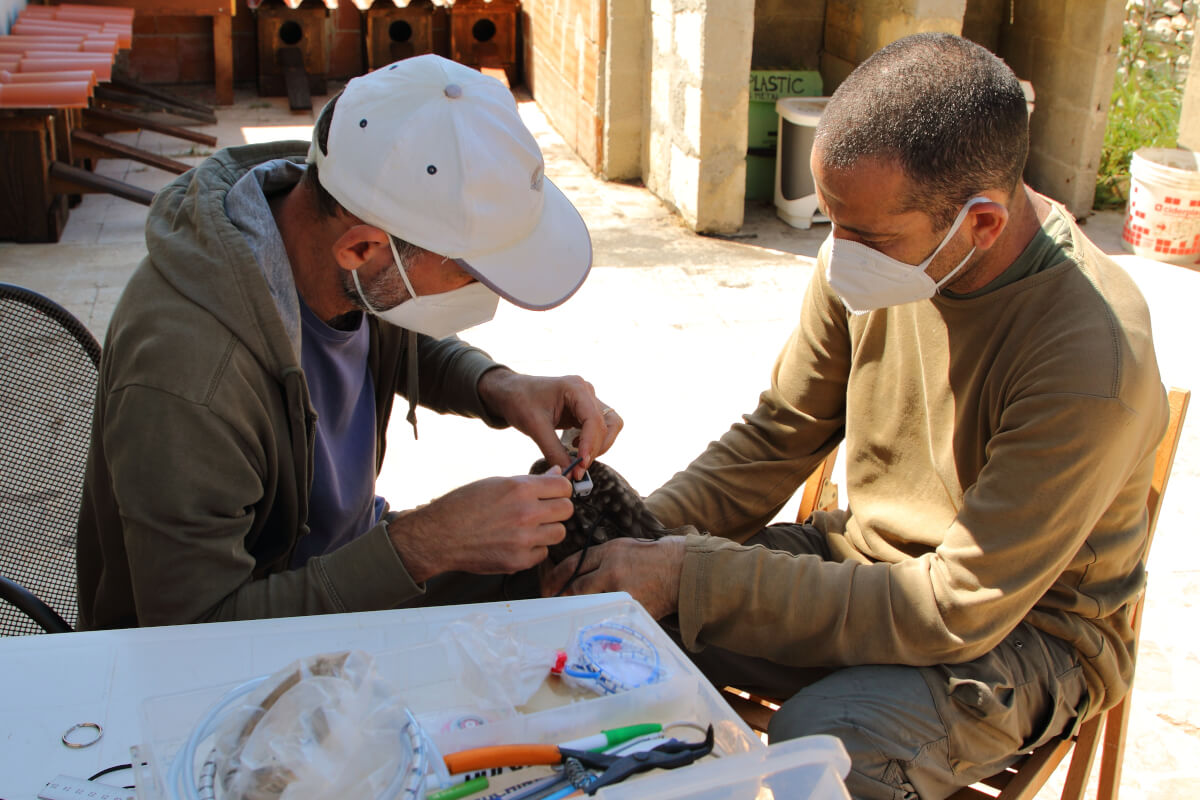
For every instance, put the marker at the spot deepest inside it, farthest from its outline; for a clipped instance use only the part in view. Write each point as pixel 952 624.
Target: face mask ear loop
pixel 412 293
pixel 361 295
pixel 958 221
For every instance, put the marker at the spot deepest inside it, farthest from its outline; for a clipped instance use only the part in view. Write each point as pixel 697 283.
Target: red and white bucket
pixel 1162 220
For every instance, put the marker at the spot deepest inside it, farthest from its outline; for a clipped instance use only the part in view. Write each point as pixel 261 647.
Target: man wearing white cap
pixel 244 394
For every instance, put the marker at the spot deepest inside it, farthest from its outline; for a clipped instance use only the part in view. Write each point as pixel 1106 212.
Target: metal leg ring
pixel 66 737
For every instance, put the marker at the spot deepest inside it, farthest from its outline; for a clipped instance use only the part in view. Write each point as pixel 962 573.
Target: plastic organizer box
pixel 441 688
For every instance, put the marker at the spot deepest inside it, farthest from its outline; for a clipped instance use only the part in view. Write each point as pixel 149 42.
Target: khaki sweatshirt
pixel 999 449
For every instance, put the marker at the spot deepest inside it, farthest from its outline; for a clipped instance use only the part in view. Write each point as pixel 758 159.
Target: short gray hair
pixel 951 113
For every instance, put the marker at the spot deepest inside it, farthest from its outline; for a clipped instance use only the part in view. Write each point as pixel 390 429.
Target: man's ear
pixel 985 222
pixel 360 246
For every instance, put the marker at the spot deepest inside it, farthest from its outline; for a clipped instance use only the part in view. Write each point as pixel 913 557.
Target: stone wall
pixel 788 34
pixel 565 43
pixel 1048 42
pixel 698 102
pixel 854 29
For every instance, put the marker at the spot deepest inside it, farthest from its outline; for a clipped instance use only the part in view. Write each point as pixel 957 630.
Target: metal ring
pixel 78 727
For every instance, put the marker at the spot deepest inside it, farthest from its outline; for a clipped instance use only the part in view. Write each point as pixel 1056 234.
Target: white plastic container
pixel 1162 218
pixel 436 686
pixel 795 195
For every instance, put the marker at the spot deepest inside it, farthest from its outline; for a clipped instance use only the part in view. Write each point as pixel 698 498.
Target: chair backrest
pixel 820 492
pixel 1023 780
pixel 48 371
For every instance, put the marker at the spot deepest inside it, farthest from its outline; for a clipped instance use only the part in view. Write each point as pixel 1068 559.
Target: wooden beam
pixel 91 145
pixel 105 120
pixel 66 179
pixel 222 27
pixel 109 94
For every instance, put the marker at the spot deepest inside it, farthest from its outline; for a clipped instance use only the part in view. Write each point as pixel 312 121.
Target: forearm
pixel 449 373
pixel 801 610
pixel 364 575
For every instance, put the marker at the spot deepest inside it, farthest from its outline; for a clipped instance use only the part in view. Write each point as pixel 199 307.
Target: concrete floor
pixel 678 333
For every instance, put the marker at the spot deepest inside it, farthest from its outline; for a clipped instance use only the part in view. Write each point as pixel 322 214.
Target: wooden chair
pixel 1024 779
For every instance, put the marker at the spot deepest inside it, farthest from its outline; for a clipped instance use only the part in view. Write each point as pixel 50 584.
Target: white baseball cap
pixel 435 153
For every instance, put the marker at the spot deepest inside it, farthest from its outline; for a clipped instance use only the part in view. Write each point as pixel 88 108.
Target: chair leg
pixel 1086 741
pixel 1113 752
pixel 1034 771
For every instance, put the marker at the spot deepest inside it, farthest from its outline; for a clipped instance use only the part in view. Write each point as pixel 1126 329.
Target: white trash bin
pixel 795 194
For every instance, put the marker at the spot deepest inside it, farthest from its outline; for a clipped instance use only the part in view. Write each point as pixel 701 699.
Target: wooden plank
pixel 222 27
pixel 127 84
pixel 107 94
pixel 25 199
pixel 295 78
pixel 91 145
pixel 105 120
pixel 162 8
pixel 66 179
pixel 221 11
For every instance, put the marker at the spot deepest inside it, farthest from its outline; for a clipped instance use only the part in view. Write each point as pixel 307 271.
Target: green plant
pixel 1146 100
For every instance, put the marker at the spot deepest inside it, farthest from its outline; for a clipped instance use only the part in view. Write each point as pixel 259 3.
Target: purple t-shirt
pixel 343 504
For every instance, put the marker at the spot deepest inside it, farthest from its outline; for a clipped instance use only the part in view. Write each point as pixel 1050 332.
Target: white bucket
pixel 1162 220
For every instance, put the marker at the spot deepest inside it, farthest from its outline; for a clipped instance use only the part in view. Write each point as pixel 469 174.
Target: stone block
pixel 834 70
pixel 693 113
pixel 588 136
pixel 1093 25
pixel 1059 81
pixel 684 185
pixel 589 78
pixel 688 42
pixel 661 31
pixel 721 206
pixel 622 155
pixel 657 170
pixel 843 29
pixel 568 61
pixel 1065 182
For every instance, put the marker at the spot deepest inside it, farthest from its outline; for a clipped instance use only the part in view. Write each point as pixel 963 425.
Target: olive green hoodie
pixel 200 468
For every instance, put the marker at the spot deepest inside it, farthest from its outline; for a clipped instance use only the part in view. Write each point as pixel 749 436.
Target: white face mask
pixel 437 315
pixel 866 279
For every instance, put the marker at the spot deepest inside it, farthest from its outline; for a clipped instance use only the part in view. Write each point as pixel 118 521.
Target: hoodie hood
pixel 197 249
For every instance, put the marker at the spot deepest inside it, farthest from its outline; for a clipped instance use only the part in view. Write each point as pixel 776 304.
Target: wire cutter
pixel 614 768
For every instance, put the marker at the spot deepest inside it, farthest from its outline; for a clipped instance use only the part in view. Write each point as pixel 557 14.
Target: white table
pixel 49 683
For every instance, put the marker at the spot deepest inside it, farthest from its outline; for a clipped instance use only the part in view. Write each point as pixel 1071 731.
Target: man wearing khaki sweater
pixel 992 376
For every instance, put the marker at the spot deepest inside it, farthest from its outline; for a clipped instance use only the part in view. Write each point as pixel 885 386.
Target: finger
pixel 613 424
pixel 591 582
pixel 551 533
pixel 593 429
pixel 554 578
pixel 546 438
pixel 552 484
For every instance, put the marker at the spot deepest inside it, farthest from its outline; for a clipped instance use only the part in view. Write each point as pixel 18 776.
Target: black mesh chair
pixel 48 370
